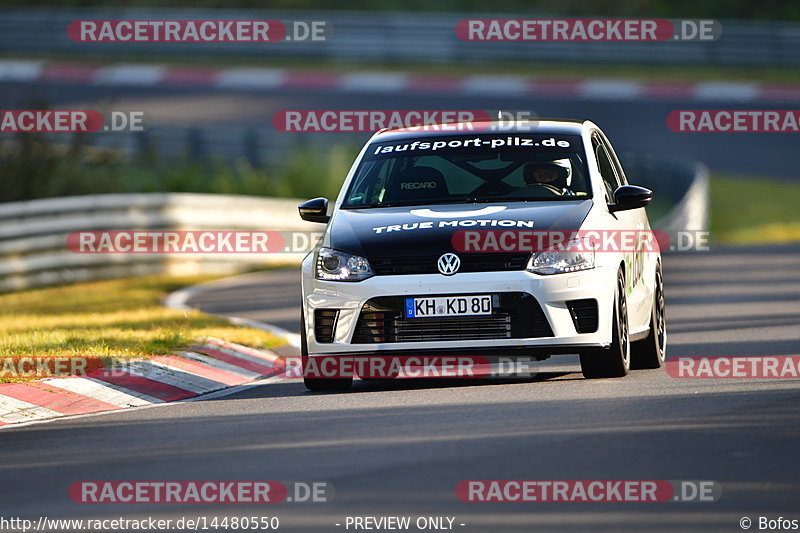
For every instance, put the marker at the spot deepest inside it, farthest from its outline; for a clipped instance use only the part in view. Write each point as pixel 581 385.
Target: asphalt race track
pixel 401 448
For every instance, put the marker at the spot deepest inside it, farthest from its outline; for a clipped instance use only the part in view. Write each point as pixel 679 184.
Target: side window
pixel 615 161
pixel 369 188
pixel 610 179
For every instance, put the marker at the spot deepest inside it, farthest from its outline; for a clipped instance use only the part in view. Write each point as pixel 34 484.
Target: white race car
pixel 521 243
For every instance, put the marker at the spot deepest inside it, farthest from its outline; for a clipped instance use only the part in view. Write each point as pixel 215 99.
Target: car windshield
pixel 470 169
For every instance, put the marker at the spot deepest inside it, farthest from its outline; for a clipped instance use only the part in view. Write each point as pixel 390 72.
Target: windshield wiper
pixel 549 199
pixel 469 200
pixel 380 204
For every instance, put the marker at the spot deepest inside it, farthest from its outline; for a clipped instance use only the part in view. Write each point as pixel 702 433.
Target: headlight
pixel 575 257
pixel 333 265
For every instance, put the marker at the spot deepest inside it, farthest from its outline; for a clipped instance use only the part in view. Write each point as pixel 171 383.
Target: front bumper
pixel 551 292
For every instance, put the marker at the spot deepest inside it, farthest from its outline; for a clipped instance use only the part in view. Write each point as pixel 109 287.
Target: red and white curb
pixel 236 78
pixel 208 367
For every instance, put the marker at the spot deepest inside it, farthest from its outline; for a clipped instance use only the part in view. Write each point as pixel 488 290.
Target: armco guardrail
pixel 33 235
pixel 691 211
pixel 684 183
pixel 390 37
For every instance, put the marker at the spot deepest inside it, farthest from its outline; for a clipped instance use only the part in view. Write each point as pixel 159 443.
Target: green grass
pixel 109 320
pixel 754 210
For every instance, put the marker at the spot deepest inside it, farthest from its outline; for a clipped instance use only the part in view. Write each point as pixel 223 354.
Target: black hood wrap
pixel 367 232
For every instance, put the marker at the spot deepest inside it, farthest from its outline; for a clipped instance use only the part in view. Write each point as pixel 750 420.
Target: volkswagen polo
pixel 431 248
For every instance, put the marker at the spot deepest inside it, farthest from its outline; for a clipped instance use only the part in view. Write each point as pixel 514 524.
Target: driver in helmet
pixel 550 176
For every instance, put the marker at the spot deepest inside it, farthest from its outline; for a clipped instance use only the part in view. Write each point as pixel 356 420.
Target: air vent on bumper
pixel 325 324
pixel 584 314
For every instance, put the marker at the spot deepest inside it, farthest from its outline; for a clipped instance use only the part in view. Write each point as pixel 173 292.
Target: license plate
pixel 448 306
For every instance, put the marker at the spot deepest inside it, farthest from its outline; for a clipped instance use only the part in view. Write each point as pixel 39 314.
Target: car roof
pixel 541 126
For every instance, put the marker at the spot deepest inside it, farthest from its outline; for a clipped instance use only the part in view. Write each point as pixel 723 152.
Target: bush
pixel 35 168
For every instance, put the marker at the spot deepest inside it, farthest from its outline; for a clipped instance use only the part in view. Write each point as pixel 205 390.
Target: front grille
pixel 584 314
pixel 325 324
pixel 384 266
pixel 516 315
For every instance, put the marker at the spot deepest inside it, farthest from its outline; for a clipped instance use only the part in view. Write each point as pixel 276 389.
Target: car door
pixel 634 220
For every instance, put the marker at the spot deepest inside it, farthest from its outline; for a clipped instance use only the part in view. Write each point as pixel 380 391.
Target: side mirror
pixel 630 197
pixel 315 210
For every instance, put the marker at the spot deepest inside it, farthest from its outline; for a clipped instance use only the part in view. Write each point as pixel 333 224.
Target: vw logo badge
pixel 448 264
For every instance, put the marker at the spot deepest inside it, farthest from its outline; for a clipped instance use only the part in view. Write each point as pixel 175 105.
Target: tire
pixel 614 361
pixel 652 351
pixel 318 384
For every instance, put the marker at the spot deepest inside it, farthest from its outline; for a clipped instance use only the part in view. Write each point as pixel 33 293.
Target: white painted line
pixel 14 70
pixel 124 74
pixel 177 300
pixel 219 365
pixel 374 81
pixel 611 89
pixel 293 339
pixel 250 78
pixel 13 411
pixel 495 85
pixel 100 390
pixel 726 91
